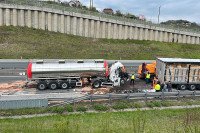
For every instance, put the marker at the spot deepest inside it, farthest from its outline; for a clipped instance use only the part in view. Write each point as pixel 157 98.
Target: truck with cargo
pixel 63 74
pixel 183 73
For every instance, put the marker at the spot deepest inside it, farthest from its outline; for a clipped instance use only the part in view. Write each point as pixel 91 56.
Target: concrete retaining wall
pixel 88 26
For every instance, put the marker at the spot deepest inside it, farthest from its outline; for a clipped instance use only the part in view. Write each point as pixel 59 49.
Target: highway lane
pixel 10 69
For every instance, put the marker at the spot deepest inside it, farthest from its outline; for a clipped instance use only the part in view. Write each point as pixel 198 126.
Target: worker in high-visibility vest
pixel 157 87
pixel 132 79
pixel 154 82
pixel 147 77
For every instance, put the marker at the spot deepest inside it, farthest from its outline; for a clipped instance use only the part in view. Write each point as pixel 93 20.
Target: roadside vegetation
pixel 99 106
pixel 154 121
pixel 30 43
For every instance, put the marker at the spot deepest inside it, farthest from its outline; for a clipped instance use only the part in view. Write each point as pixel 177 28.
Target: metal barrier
pixel 130 96
pixel 82 11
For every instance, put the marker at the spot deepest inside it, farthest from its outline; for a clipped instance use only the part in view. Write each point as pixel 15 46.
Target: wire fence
pixel 98 14
pixel 130 96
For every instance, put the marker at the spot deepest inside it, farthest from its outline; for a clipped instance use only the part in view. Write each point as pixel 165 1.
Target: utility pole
pixel 91 4
pixel 159 15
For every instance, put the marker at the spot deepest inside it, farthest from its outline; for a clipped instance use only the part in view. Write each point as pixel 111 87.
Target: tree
pixel 118 13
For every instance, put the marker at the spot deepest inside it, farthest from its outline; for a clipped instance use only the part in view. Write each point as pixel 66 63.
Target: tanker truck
pixel 64 75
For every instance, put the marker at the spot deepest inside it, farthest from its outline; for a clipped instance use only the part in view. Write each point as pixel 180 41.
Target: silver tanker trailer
pixel 62 74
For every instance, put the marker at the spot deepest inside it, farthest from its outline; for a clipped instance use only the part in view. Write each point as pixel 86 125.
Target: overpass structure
pixel 88 26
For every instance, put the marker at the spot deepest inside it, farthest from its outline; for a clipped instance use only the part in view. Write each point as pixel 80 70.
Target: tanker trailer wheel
pixel 192 87
pixel 53 85
pixel 64 85
pixel 41 86
pixel 182 87
pixel 96 84
pixel 122 82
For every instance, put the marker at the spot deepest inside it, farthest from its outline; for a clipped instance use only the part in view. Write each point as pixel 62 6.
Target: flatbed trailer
pixel 183 73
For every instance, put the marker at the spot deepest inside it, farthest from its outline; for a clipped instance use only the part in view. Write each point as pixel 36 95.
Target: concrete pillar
pixel 74 23
pixel 80 32
pixel 141 34
pixel 36 20
pixel 193 40
pixel 136 33
pixel 22 17
pixel 146 33
pixel 166 37
pixel 68 22
pixel 126 32
pixel 1 17
pixel 180 40
pixel 120 32
pixel 175 38
pixel 130 32
pixel 197 40
pixel 170 37
pixel 98 29
pixel 161 38
pixel 7 17
pixel 55 22
pixel 49 22
pixel 62 24
pixel 115 31
pixel 184 39
pixel 86 28
pixel 103 32
pixel 29 18
pixel 188 40
pixel 151 36
pixel 156 35
pixel 109 31
pixel 92 28
pixel 42 19
pixel 14 17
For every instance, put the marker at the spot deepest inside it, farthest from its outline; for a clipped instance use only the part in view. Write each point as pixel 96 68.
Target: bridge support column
pixel 21 17
pixel 197 40
pixel 98 29
pixel 115 31
pixel 73 31
pixel 7 17
pixel 68 25
pixel 120 31
pixel 151 35
pixel 130 32
pixel 141 34
pixel 175 38
pixel 156 35
pixel 146 32
pixel 55 22
pixel 188 39
pixel 80 32
pixel 135 33
pixel 42 20
pixel 180 38
pixel 36 19
pixel 14 23
pixel 161 38
pixel 49 22
pixel 86 28
pixel 193 40
pixel 184 39
pixel 109 31
pixel 125 32
pixel 62 24
pixel 1 17
pixel 29 18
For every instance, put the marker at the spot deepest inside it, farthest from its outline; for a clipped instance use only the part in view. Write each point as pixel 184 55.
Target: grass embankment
pixel 31 43
pixel 154 121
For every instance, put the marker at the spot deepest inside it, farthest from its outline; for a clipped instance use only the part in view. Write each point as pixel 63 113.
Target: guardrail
pixel 130 96
pixel 99 14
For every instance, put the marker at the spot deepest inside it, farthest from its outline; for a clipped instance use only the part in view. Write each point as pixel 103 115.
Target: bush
pixel 150 105
pixel 100 107
pixel 157 104
pixel 120 106
pixel 82 108
pixel 69 108
pixel 58 109
pixel 137 105
pixel 165 104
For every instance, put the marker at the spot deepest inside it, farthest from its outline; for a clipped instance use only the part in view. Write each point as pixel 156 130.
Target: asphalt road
pixel 12 70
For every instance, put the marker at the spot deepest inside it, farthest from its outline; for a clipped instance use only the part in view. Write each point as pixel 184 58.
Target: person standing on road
pixel 169 86
pixel 132 79
pixel 157 87
pixel 147 78
pixel 154 82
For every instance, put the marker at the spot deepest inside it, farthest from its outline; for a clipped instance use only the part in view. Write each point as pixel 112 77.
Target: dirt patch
pixel 12 87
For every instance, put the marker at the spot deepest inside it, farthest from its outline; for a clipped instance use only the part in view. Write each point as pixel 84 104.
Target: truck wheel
pixel 182 87
pixel 53 85
pixel 64 85
pixel 192 87
pixel 41 86
pixel 122 82
pixel 96 84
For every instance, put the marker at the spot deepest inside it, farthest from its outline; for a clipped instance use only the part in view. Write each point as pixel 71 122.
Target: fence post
pixel 163 96
pixel 178 96
pixel 91 99
pixel 193 94
pixel 145 98
pixel 128 97
pixel 110 99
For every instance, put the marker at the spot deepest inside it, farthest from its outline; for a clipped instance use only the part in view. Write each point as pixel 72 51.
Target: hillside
pixel 31 43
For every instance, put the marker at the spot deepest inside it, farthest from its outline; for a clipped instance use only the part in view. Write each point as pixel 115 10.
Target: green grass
pixel 154 121
pixel 31 43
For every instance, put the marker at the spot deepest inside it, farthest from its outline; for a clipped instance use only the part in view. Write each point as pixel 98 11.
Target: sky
pixel 170 9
